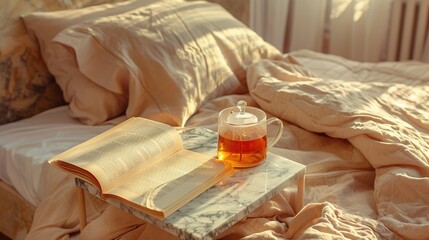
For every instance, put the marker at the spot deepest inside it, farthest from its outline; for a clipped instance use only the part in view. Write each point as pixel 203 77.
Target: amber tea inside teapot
pixel 242 139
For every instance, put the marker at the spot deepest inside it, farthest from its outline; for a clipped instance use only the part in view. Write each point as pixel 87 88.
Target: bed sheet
pixel 26 145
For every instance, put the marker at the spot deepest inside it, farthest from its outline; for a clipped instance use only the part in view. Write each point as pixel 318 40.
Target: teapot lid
pixel 241 117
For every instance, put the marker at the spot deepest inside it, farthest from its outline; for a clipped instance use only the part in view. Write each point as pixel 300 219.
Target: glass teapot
pixel 242 139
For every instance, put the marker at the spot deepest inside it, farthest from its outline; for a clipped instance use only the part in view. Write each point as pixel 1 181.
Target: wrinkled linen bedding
pixel 25 146
pixel 362 130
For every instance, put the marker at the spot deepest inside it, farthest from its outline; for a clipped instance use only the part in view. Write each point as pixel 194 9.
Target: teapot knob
pixel 241 117
pixel 241 105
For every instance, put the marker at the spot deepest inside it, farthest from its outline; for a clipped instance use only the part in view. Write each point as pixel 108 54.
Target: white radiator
pixel 408 29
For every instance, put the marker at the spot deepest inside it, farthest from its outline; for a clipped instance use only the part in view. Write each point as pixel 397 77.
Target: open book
pixel 142 163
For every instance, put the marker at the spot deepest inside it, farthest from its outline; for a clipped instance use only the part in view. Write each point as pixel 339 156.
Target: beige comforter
pixel 362 130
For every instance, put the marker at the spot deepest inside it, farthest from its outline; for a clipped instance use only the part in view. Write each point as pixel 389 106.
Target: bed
pixel 361 129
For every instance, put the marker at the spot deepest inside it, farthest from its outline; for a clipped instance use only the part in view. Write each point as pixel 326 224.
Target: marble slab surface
pixel 218 208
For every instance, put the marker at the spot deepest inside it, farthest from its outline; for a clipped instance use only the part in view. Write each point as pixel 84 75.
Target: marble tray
pixel 229 201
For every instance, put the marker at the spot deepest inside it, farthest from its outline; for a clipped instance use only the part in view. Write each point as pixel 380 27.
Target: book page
pixel 122 150
pixel 176 180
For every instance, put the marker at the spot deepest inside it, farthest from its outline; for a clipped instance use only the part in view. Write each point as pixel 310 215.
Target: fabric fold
pixel 363 113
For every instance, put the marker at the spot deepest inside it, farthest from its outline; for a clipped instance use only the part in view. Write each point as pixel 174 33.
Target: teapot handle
pixel 279 130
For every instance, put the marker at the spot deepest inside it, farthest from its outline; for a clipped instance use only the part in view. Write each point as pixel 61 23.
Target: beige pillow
pixel 163 59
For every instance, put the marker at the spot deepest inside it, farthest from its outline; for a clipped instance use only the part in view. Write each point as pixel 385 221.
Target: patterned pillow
pixel 26 87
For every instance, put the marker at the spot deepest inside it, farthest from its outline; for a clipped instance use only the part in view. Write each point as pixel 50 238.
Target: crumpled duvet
pixel 362 130
pixel 386 120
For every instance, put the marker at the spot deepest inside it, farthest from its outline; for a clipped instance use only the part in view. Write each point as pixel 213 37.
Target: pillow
pixel 26 86
pixel 43 26
pixel 164 59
